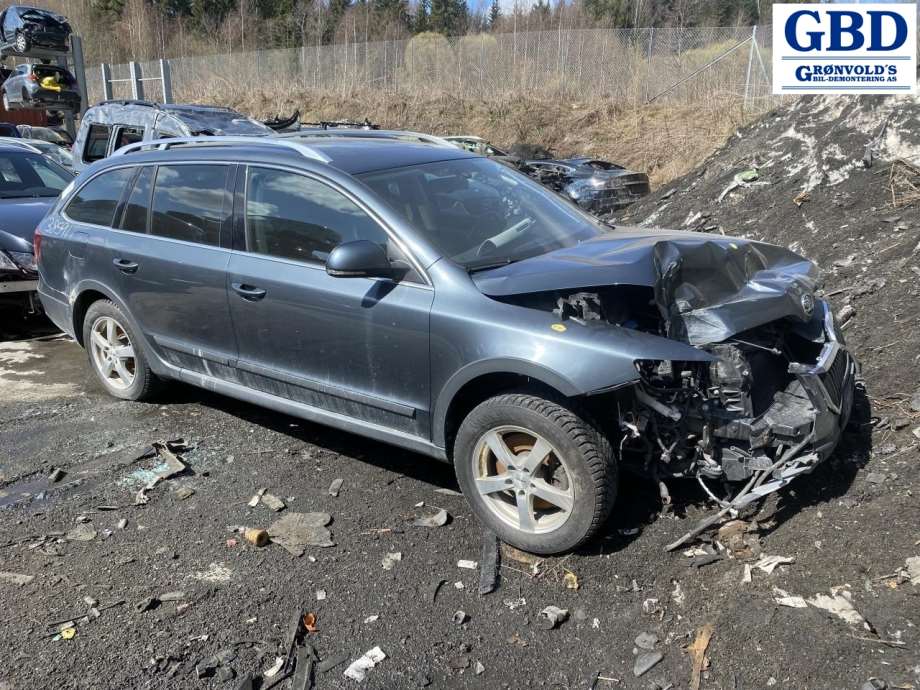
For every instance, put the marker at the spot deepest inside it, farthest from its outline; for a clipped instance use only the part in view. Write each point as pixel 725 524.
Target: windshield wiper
pixel 489 263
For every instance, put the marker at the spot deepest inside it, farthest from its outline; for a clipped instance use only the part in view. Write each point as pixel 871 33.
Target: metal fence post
pixel 106 82
pixel 648 70
pixel 166 80
pixel 79 70
pixel 747 80
pixel 137 86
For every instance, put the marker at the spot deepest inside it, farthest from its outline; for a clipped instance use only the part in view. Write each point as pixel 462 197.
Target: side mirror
pixel 359 259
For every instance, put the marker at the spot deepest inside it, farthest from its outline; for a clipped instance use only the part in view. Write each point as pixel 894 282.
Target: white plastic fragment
pixel 783 598
pixel 276 667
pixel 913 569
pixel 390 560
pixel 840 604
pixel 358 669
pixel 469 565
pixel 746 575
pixel 769 563
pixel 254 501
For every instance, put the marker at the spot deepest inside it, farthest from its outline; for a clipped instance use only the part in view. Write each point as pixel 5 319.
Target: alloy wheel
pixel 113 353
pixel 523 479
pixel 21 43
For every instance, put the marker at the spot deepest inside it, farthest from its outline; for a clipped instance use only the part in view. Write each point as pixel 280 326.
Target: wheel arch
pixel 86 295
pixel 481 380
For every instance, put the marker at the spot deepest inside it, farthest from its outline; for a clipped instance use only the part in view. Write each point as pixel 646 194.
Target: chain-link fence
pixel 632 65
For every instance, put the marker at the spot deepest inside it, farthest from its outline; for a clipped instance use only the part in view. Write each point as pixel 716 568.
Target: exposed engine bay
pixel 769 406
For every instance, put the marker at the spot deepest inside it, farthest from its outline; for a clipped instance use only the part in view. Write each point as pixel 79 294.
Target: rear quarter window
pixel 190 202
pixel 97 142
pixel 96 201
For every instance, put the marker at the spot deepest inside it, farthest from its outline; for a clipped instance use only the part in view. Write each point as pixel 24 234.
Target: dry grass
pixel 665 139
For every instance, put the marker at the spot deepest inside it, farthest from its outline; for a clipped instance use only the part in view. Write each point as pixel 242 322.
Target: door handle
pixel 250 292
pixel 125 266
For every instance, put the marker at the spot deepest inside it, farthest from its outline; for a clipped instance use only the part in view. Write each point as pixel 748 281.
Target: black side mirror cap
pixel 359 259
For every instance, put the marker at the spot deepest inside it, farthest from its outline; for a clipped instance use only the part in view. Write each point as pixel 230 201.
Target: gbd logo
pixel 843 30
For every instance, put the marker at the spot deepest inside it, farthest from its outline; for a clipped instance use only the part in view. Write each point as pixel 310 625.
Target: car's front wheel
pixel 22 42
pixel 116 354
pixel 535 471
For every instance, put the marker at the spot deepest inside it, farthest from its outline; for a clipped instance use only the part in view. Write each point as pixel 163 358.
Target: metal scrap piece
pixel 489 563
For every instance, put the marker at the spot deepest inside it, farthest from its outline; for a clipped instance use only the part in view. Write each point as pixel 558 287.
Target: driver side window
pixel 296 217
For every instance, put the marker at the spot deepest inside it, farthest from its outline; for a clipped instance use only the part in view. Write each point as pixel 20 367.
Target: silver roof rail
pixel 385 134
pixel 163 144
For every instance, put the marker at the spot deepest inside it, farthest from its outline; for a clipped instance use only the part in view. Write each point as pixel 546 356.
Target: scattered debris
pixel 254 501
pixel 172 466
pixel 82 532
pixel 552 617
pixel 172 596
pixel 645 662
pixel 16 578
pixel 272 502
pixel 147 604
pixel 390 560
pixel 256 537
pixel 847 312
pixel 56 475
pixel 460 617
pixel 647 641
pixel 840 604
pixel 371 619
pixel 331 662
pixel 434 589
pixel 513 604
pixel 184 492
pixel 490 563
pixel 913 569
pixel 783 598
pixel 122 523
pixel 275 668
pixel 570 579
pixel 468 565
pixel 296 531
pixel 801 198
pixel 358 669
pixel 335 487
pixel 321 595
pixel 439 519
pixel 769 563
pixel 448 492
pixel 697 650
pixel 677 594
pixel 479 669
pixel 747 574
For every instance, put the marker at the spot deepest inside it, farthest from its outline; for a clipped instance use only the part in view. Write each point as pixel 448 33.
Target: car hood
pixel 707 287
pixel 18 220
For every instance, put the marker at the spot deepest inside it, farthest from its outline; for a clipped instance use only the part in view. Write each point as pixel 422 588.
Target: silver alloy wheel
pixel 113 353
pixel 21 44
pixel 523 479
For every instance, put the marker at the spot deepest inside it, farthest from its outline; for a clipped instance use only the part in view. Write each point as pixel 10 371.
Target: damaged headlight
pixel 24 260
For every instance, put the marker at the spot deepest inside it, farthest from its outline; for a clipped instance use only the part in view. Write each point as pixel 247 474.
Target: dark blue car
pixel 29 186
pixel 434 299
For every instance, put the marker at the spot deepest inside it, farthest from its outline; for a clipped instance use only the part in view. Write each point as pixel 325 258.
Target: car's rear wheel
pixel 536 472
pixel 116 354
pixel 22 42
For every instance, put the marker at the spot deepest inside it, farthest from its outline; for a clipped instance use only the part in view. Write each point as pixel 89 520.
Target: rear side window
pixel 295 217
pixel 135 215
pixel 190 202
pixel 127 135
pixel 97 140
pixel 96 201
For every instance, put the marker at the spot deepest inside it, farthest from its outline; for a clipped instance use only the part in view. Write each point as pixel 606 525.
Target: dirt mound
pixel 798 178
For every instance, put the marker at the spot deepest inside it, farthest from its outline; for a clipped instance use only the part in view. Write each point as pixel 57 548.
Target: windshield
pixel 219 122
pixel 481 213
pixel 25 174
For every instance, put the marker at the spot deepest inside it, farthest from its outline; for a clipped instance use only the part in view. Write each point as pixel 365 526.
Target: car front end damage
pixel 767 385
pixel 19 281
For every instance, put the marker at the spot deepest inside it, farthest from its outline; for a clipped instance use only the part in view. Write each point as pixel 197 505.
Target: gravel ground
pixel 849 524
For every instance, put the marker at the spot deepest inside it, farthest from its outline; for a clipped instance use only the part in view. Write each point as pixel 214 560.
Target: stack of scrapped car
pixel 40 86
pixel 23 29
pixel 599 187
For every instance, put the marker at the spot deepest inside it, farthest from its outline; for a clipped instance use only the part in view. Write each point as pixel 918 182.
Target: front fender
pixel 573 358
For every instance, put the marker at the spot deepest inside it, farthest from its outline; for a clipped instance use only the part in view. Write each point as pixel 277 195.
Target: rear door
pixel 167 247
pixel 352 346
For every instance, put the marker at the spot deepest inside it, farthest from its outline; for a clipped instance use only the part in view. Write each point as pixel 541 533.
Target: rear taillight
pixel 32 77
pixel 37 245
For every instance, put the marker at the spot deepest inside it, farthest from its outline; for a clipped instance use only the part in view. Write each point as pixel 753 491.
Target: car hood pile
pixel 707 287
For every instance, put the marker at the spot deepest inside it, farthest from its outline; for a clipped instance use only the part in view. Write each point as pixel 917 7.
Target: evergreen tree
pixel 495 13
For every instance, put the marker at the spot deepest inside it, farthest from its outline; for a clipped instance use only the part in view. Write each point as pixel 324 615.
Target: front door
pixel 352 346
pixel 173 269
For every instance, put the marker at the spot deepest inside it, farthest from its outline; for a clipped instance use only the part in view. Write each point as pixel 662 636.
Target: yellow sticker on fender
pixel 558 327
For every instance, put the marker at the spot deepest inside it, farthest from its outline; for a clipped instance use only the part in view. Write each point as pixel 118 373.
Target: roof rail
pixel 163 144
pixel 369 134
pixel 130 101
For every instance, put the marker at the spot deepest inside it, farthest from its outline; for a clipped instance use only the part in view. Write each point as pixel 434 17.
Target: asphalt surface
pixel 854 521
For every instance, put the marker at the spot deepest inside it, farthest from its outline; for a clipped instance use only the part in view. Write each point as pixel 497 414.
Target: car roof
pixel 349 155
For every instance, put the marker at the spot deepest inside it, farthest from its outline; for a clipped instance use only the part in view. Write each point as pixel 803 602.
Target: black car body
pixel 40 86
pixel 8 129
pixel 598 186
pixel 25 199
pixel 23 28
pixel 431 298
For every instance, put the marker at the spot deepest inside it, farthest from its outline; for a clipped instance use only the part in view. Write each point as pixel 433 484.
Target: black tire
pixel 590 467
pixel 145 383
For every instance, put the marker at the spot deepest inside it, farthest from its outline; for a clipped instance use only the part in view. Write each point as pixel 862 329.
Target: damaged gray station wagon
pixel 440 301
